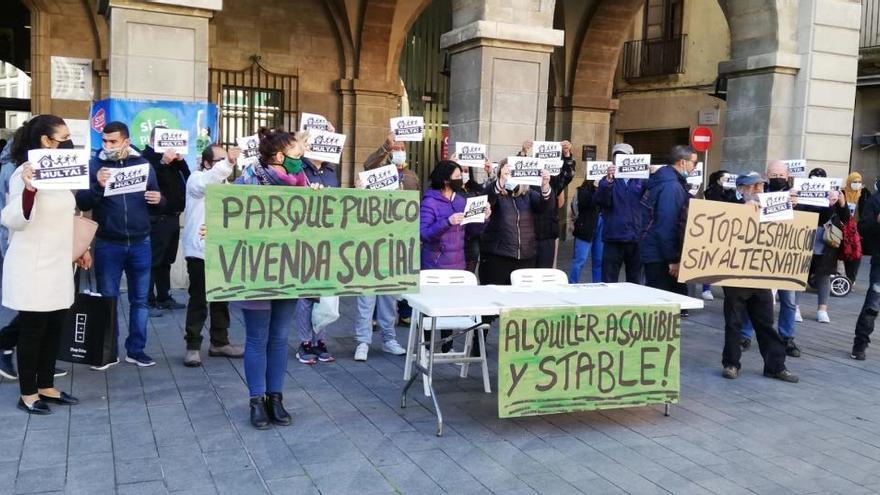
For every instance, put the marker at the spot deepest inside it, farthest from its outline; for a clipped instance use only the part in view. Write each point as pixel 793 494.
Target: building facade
pixel 494 71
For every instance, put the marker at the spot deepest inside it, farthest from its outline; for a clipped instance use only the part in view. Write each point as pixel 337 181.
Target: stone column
pixel 792 96
pixel 159 49
pixel 499 61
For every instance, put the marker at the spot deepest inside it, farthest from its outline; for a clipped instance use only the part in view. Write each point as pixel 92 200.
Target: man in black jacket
pixel 172 172
pixel 869 228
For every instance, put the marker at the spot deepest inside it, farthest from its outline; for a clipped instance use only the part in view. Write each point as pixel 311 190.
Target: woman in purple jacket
pixel 442 232
pixel 442 213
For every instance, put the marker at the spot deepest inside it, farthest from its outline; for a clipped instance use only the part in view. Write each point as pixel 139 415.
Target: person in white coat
pixel 38 269
pixel 214 168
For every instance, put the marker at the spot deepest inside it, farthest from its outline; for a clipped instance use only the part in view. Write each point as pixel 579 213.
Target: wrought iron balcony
pixel 649 58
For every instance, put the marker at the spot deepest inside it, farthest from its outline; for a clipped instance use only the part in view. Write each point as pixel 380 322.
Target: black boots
pixel 275 409
pixel 258 413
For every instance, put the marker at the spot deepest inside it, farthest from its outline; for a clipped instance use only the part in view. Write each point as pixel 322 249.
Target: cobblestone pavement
pixel 176 429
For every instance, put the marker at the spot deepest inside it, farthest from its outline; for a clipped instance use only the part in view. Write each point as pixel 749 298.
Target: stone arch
pixel 382 34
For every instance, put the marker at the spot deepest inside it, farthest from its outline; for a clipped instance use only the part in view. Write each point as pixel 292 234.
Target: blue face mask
pixel 739 196
pixel 683 174
pixel 509 186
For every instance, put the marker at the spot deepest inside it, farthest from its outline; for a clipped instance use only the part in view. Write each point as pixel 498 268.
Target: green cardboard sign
pixel 267 242
pixel 558 360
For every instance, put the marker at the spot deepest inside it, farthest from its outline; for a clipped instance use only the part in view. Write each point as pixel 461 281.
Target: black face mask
pixel 777 184
pixel 456 184
pixel 65 145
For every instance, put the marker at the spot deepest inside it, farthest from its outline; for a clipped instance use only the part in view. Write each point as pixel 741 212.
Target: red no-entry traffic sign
pixel 701 139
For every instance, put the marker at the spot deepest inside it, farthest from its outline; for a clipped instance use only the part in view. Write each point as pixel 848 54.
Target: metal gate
pixel 424 69
pixel 253 97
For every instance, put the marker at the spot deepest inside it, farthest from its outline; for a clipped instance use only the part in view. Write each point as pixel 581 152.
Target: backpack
pixel 851 247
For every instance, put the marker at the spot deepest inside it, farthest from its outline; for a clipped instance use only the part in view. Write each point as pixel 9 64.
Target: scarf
pixel 853 196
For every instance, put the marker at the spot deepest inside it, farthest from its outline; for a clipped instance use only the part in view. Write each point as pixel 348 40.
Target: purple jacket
pixel 442 243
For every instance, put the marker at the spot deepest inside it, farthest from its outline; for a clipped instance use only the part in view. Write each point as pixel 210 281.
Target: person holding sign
pixel 122 243
pixel 824 254
pixel 267 323
pixel 508 242
pixel 172 173
pixel 547 222
pixel 666 199
pixel 393 151
pixel 37 275
pixel 619 200
pixel 214 168
pixel 757 304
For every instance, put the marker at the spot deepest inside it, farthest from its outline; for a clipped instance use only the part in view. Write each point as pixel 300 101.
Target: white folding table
pixel 437 301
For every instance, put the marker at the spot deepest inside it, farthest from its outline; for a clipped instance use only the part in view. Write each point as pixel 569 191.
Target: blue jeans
pixel 787 308
pixel 265 348
pixel 582 250
pixel 386 316
pixel 111 259
pixel 303 321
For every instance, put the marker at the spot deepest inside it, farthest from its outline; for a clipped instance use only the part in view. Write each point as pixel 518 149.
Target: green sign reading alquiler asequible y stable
pixel 557 360
pixel 266 242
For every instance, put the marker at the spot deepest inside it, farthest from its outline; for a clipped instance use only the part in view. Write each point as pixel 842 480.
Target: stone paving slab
pixel 172 429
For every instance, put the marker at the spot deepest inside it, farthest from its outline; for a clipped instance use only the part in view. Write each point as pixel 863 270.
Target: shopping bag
pixel 324 312
pixel 89 332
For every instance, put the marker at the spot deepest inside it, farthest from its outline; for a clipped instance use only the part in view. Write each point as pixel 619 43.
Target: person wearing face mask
pixel 267 323
pixel 547 223
pixel 825 257
pixel 172 173
pixel 665 201
pixel 215 167
pixel 37 276
pixel 393 152
pixel 122 243
pixel 856 197
pixel 757 304
pixel 619 201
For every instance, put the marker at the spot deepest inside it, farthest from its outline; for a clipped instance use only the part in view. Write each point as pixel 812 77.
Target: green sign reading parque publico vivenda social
pixel 270 242
pixel 557 360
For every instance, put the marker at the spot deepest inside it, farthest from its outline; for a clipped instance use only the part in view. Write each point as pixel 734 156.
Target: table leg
pixel 412 344
pixel 667 409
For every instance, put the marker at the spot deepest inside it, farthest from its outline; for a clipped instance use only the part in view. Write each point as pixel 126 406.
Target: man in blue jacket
pixel 618 200
pixel 665 202
pixel 122 242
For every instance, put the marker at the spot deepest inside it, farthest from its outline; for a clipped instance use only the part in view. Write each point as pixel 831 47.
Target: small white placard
pixel 597 170
pixel 176 140
pixel 728 181
pixel 313 122
pixel 796 168
pixel 408 128
pixel 250 150
pixel 632 166
pixel 470 154
pixel 325 146
pixel 693 189
pixel 696 176
pixel 380 178
pixel 775 207
pixel 812 191
pixel 127 180
pixel 475 209
pixel 525 170
pixel 60 168
pixel 550 152
pixel 836 184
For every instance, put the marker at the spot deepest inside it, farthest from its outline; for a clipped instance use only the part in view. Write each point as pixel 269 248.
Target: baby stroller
pixel 840 285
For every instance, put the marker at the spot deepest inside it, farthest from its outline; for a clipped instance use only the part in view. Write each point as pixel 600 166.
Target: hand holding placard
pixel 59 168
pixel 632 166
pixel 475 209
pixel 385 177
pixel 176 140
pixel 408 128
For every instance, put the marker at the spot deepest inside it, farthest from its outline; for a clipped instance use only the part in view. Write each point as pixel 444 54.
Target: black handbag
pixel 89 332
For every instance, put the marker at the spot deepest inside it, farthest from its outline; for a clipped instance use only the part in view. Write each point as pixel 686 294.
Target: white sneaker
pixel 392 347
pixel 822 317
pixel 104 368
pixel 361 351
pixel 708 296
pixel 797 314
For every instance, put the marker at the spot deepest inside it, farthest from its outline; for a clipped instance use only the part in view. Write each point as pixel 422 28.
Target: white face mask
pixel 465 177
pixel 855 186
pixel 398 157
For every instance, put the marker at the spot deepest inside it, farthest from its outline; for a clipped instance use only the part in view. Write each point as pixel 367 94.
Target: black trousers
pixel 496 270
pixel 37 347
pixel 759 305
pixel 197 310
pixel 545 255
pixel 870 309
pixel 164 236
pixel 852 269
pixel 9 334
pixel 657 276
pixel 617 254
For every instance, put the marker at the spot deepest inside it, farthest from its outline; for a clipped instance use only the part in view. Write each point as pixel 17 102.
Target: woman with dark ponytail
pixel 267 323
pixel 37 274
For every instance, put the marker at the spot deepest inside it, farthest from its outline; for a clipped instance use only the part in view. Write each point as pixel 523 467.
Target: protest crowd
pixel 616 223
